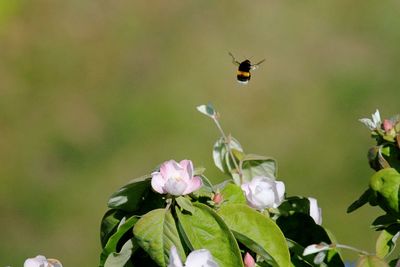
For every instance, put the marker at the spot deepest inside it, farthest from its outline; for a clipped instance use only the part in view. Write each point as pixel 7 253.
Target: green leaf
pixel 385 221
pixel 294 204
pixel 364 199
pixel 257 230
pixel 221 156
pixel 120 259
pixel 109 224
pixel 303 230
pixel 207 110
pixel 232 193
pixel 113 241
pixel 386 183
pixel 255 165
pixel 386 241
pixel 129 197
pixel 371 261
pixel 156 233
pixel 205 229
pixel 185 204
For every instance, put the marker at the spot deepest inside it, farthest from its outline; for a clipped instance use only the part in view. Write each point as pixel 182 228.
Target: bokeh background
pixel 95 93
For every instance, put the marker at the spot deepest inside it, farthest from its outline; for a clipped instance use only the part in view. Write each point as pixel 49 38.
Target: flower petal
pixel 194 184
pixel 174 260
pixel 315 211
pixel 200 258
pixel 158 183
pixel 175 187
pixel 187 167
pixel 38 261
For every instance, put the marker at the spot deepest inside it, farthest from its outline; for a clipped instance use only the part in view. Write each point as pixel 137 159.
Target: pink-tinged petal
pixel 158 183
pixel 170 168
pixel 194 184
pixel 174 260
pixel 176 187
pixel 187 167
pixel 249 260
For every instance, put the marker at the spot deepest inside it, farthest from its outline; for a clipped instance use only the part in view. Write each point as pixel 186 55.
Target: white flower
pixel 315 211
pixel 41 261
pixel 264 192
pixel 175 178
pixel 196 258
pixel 374 123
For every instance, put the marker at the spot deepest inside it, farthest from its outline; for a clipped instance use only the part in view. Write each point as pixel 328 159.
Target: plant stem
pixel 227 142
pixel 352 248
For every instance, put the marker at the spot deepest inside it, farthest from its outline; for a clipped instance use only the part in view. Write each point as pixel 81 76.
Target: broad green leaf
pixel 185 204
pixel 303 230
pixel 156 233
pixel 386 241
pixel 130 196
pixel 232 193
pixel 247 222
pixel 371 261
pixel 364 199
pixel 120 259
pixel 386 183
pixel 109 224
pixel 384 221
pixel 294 204
pixel 207 110
pixel 254 165
pixel 205 229
pixel 113 241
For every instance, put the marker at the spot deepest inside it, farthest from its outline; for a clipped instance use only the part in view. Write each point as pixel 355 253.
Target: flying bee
pixel 243 73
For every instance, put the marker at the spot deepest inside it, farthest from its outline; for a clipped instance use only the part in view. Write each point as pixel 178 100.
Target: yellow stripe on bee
pixel 243 73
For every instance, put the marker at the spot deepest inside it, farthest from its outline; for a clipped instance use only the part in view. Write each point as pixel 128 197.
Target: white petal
pixel 38 261
pixel 368 123
pixel 200 258
pixel 315 211
pixel 314 248
pixel 174 260
pixel 376 117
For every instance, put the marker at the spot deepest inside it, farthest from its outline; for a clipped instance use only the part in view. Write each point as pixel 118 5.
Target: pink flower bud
pixel 218 198
pixel 387 125
pixel 249 260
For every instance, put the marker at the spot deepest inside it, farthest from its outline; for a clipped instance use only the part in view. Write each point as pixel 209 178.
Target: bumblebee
pixel 243 73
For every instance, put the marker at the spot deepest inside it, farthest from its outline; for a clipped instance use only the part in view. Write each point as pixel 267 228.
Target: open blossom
pixel 41 261
pixel 196 258
pixel 315 211
pixel 264 192
pixel 373 124
pixel 175 178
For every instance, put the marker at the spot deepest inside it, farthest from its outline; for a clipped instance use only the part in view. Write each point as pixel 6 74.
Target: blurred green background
pixel 94 93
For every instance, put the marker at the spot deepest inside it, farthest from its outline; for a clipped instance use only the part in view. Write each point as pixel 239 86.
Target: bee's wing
pixel 234 61
pixel 255 66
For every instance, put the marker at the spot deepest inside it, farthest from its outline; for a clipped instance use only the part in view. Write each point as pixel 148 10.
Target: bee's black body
pixel 243 73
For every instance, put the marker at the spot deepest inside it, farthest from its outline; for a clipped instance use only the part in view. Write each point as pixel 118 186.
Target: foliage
pixel 142 226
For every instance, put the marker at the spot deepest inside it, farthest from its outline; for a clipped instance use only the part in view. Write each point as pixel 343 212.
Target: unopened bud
pixel 387 125
pixel 218 198
pixel 249 260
